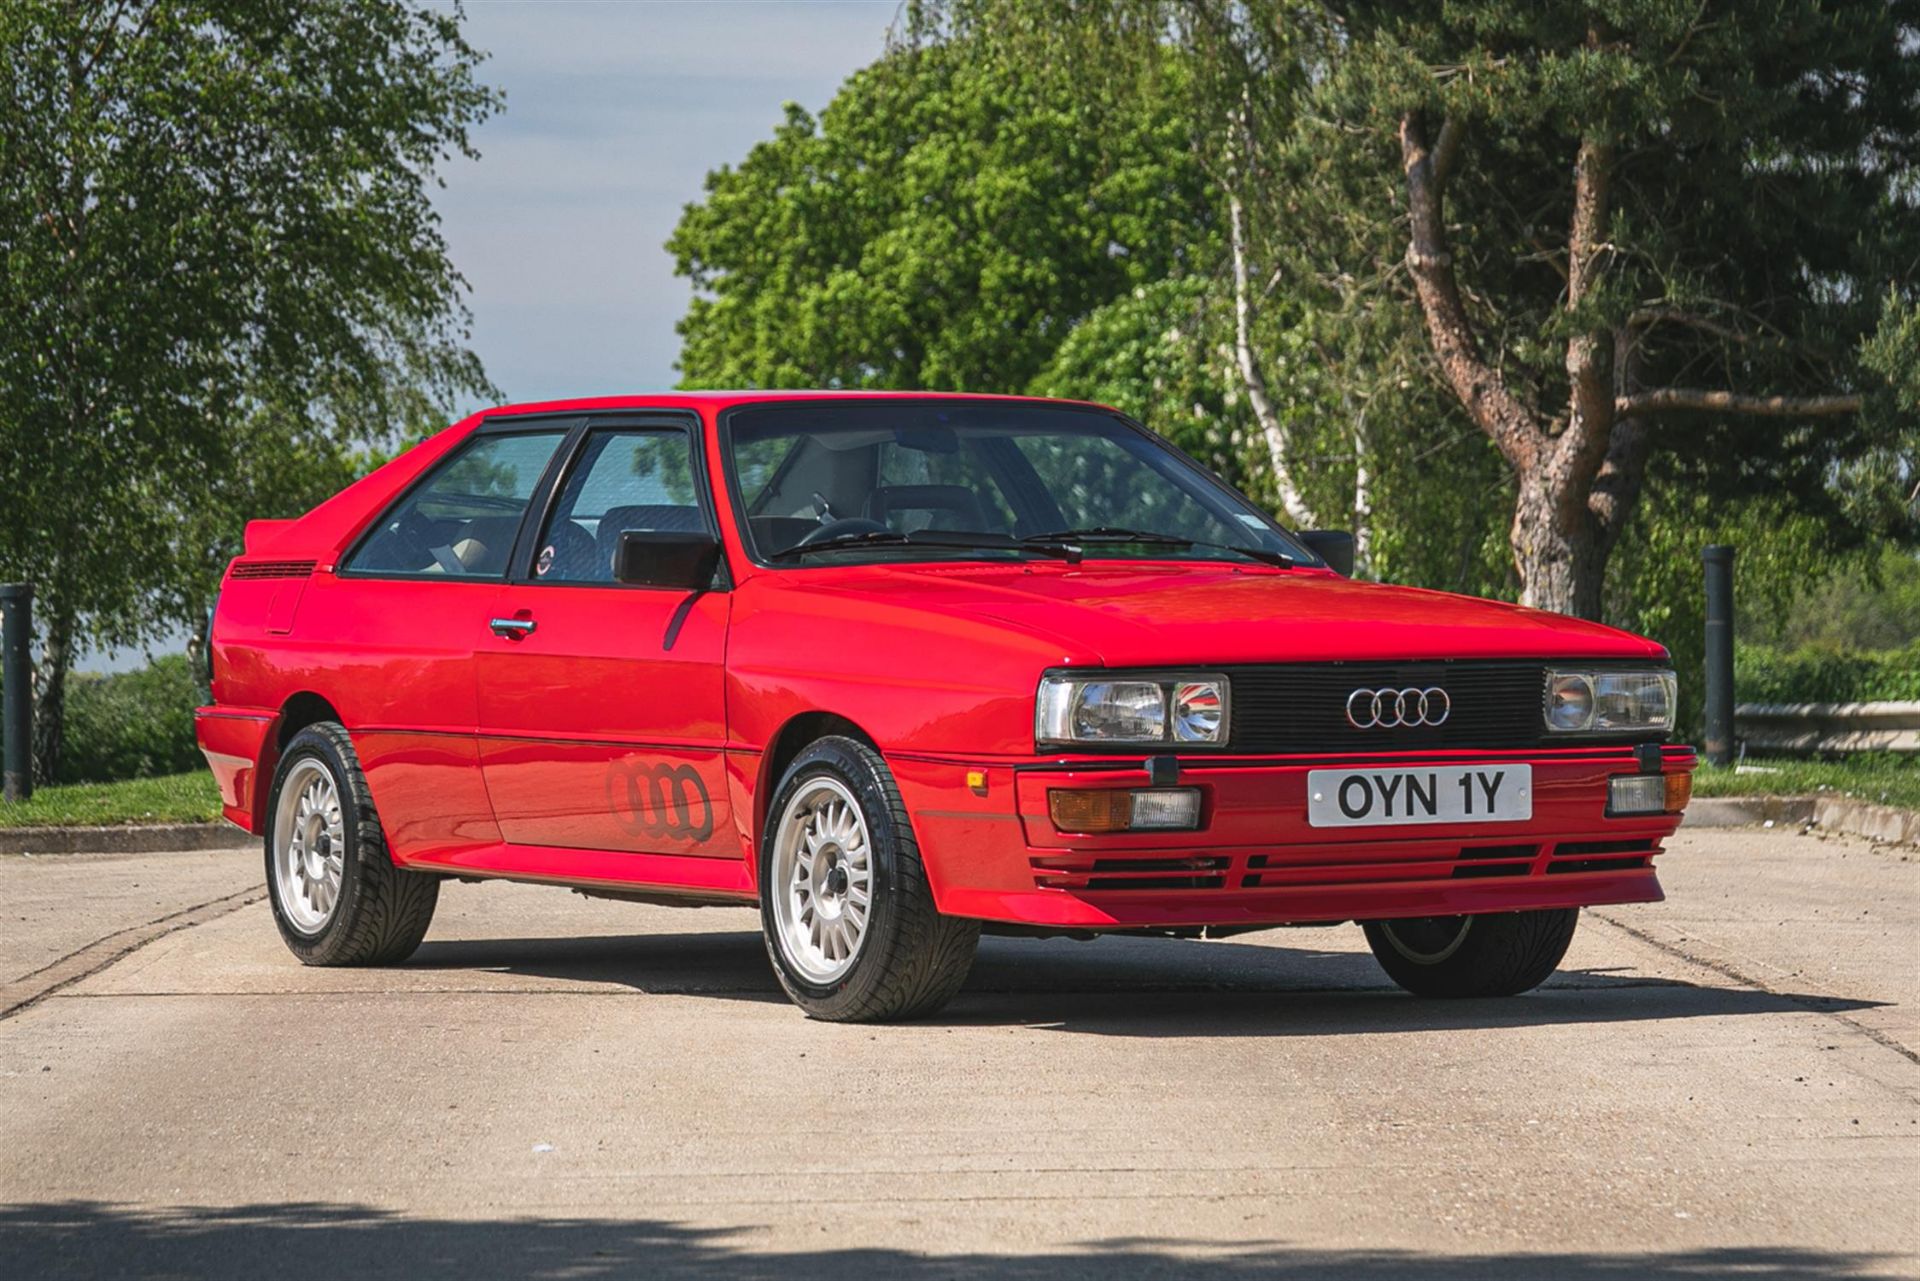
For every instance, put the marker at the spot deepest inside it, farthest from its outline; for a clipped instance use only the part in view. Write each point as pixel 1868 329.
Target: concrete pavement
pixel 1724 1083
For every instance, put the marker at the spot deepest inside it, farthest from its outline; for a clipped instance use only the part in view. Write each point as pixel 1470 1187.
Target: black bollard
pixel 1719 562
pixel 16 672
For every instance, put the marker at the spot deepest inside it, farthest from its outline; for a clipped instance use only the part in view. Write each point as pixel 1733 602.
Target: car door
pixel 391 634
pixel 602 704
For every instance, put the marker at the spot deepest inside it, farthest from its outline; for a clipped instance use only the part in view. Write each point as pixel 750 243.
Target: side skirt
pixel 644 877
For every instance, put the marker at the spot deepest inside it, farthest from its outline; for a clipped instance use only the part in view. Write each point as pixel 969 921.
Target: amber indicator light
pixel 1106 809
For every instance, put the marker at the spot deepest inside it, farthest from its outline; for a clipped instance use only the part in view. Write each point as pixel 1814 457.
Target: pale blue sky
pixel 616 110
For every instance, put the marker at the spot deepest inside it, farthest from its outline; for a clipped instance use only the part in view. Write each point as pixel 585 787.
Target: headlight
pixel 1130 709
pixel 1588 702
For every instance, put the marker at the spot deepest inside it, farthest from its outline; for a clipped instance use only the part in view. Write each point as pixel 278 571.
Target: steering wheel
pixel 845 525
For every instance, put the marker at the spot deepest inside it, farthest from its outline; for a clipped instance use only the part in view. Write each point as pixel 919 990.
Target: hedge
pixel 1816 674
pixel 131 724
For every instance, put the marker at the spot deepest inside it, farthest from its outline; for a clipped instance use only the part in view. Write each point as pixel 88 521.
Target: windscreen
pixel 888 479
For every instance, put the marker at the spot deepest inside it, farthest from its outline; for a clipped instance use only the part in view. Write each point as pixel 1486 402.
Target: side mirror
pixel 651 558
pixel 1334 546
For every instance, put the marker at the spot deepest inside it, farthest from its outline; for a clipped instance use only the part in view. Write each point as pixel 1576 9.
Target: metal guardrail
pixel 1829 727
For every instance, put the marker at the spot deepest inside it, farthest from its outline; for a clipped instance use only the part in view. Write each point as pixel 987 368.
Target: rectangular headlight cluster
pixel 1597 701
pixel 1128 709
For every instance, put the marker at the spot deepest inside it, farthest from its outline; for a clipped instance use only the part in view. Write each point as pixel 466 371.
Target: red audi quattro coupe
pixel 901 667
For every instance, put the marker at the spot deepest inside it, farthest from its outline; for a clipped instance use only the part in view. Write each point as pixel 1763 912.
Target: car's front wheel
pixel 844 902
pixel 1498 954
pixel 337 897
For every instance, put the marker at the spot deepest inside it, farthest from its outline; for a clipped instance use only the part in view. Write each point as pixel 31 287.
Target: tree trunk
pixel 50 702
pixel 1362 501
pixel 1558 553
pixel 1273 427
pixel 1577 486
pixel 198 661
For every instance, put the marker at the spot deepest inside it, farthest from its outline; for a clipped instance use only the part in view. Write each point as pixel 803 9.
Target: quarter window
pixel 625 480
pixel 461 521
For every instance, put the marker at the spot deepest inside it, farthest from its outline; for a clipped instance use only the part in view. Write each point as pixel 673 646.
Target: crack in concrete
pixel 1726 970
pixel 84 962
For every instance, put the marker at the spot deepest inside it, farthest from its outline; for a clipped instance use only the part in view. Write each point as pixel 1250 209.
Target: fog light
pixel 1166 809
pixel 1112 809
pixel 1637 794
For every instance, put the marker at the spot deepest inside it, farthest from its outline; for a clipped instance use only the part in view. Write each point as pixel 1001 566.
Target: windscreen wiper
pixel 958 541
pixel 1114 534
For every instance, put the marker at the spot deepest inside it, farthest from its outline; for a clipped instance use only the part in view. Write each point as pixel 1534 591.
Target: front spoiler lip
pixel 1307 905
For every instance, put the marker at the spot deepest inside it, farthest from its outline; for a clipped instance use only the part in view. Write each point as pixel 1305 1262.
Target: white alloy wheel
pixel 822 880
pixel 309 846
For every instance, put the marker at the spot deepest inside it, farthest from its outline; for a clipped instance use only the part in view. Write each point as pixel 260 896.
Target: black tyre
pixel 1499 954
pixel 337 897
pixel 844 905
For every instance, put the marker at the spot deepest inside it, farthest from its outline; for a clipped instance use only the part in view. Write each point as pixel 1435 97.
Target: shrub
pixel 131 724
pixel 1823 674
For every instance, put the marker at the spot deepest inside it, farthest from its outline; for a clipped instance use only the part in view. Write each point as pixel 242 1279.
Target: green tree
pixel 222 264
pixel 960 220
pixel 942 224
pixel 1621 223
pixel 1615 228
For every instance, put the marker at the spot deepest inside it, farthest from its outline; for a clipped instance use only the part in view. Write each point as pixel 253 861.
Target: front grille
pixel 1302 708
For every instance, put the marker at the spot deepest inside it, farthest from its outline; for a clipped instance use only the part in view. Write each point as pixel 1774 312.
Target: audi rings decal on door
pixel 1398 708
pixel 660 800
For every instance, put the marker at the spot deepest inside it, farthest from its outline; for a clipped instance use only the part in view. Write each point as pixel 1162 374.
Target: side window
pixel 461 521
pixel 627 479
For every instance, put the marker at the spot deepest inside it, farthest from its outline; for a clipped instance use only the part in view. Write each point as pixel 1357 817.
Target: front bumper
pixel 996 856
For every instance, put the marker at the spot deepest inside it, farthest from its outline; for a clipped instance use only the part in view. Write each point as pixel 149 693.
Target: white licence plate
pixel 1435 794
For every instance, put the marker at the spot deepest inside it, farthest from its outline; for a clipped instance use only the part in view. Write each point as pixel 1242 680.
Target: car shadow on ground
pixel 292 1242
pixel 1119 986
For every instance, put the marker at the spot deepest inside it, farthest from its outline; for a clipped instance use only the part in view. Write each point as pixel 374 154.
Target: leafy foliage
pixel 223 276
pixel 1817 674
pixel 1730 142
pixel 131 724
pixel 942 224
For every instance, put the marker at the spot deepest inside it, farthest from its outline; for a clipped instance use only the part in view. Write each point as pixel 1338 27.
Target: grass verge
pixel 170 798
pixel 1881 777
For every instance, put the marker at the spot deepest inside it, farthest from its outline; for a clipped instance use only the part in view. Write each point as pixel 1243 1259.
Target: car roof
pixel 327 527
pixel 717 400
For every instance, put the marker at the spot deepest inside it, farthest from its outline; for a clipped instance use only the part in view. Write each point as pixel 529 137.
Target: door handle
pixel 512 628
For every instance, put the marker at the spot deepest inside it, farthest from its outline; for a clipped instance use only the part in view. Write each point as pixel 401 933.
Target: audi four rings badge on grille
pixel 1395 708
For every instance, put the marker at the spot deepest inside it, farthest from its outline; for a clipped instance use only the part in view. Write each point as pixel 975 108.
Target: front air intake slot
pixel 1602 856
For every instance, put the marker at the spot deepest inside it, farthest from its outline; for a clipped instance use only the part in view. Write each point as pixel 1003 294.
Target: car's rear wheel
pixel 1498 954
pixel 337 897
pixel 844 902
